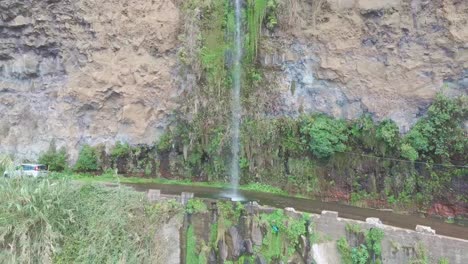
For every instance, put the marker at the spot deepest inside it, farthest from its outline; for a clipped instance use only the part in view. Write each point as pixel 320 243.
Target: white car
pixel 27 170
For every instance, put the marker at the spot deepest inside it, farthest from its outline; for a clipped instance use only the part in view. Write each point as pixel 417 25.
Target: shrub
pixel 360 255
pixel 87 160
pixel 345 251
pixel 440 134
pixel 373 241
pixel 165 143
pixel 363 132
pixel 55 160
pixel 324 135
pixel 120 150
pixel 388 135
pixel 408 152
pixel 196 206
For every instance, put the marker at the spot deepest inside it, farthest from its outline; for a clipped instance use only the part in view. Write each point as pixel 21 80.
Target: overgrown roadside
pixel 56 221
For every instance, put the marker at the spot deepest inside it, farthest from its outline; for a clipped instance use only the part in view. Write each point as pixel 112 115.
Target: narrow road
pixel 408 221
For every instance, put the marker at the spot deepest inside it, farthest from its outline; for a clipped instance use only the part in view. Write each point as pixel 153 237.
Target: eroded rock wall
pixel 100 71
pixel 385 57
pixel 85 72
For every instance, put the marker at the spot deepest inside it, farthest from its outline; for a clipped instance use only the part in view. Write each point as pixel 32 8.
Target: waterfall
pixel 236 105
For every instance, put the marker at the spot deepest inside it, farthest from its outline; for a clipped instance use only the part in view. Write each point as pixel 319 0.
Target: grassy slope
pixel 56 221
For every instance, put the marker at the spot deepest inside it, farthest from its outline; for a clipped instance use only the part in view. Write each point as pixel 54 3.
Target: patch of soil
pixel 448 210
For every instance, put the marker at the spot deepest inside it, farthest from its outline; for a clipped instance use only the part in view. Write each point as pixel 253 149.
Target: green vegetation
pixel 260 187
pixel 315 154
pixel 408 152
pixel 214 236
pixel 120 150
pixel 112 177
pixel 360 255
pixel 443 261
pixel 228 215
pixel 373 238
pixel 191 248
pixel 195 206
pixel 308 156
pixel 87 160
pixel 259 13
pixel 439 136
pixel 366 251
pixel 165 143
pixel 5 164
pixel 421 255
pixel 323 135
pixel 345 251
pixel 282 236
pixel 55 160
pixel 353 229
pixel 63 222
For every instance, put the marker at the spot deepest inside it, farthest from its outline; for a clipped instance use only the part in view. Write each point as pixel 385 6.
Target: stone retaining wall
pixel 398 245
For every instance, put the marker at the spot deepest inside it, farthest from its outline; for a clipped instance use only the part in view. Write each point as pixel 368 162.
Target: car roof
pixel 31 164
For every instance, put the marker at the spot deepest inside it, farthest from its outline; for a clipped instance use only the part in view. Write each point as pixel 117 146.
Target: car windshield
pixel 27 167
pixel 30 167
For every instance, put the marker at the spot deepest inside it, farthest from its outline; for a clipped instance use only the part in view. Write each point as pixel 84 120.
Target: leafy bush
pixel 196 206
pixel 120 150
pixel 373 241
pixel 87 160
pixel 440 134
pixel 165 143
pixel 345 251
pixel 367 252
pixel 388 134
pixel 288 134
pixel 408 152
pixel 363 133
pixel 271 18
pixel 360 255
pixel 55 160
pixel 283 232
pixel 324 135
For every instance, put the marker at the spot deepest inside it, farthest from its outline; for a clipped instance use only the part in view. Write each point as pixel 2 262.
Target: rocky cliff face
pixel 99 71
pixel 386 57
pixel 85 72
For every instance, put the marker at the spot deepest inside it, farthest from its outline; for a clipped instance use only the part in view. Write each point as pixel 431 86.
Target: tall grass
pixel 6 163
pixel 45 221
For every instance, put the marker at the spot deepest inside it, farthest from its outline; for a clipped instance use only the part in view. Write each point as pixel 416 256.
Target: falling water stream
pixel 236 106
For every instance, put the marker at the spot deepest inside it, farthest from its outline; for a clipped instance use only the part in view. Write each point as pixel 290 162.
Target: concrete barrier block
pixel 425 230
pixel 330 214
pixel 291 212
pixel 153 195
pixel 374 221
pixel 185 197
